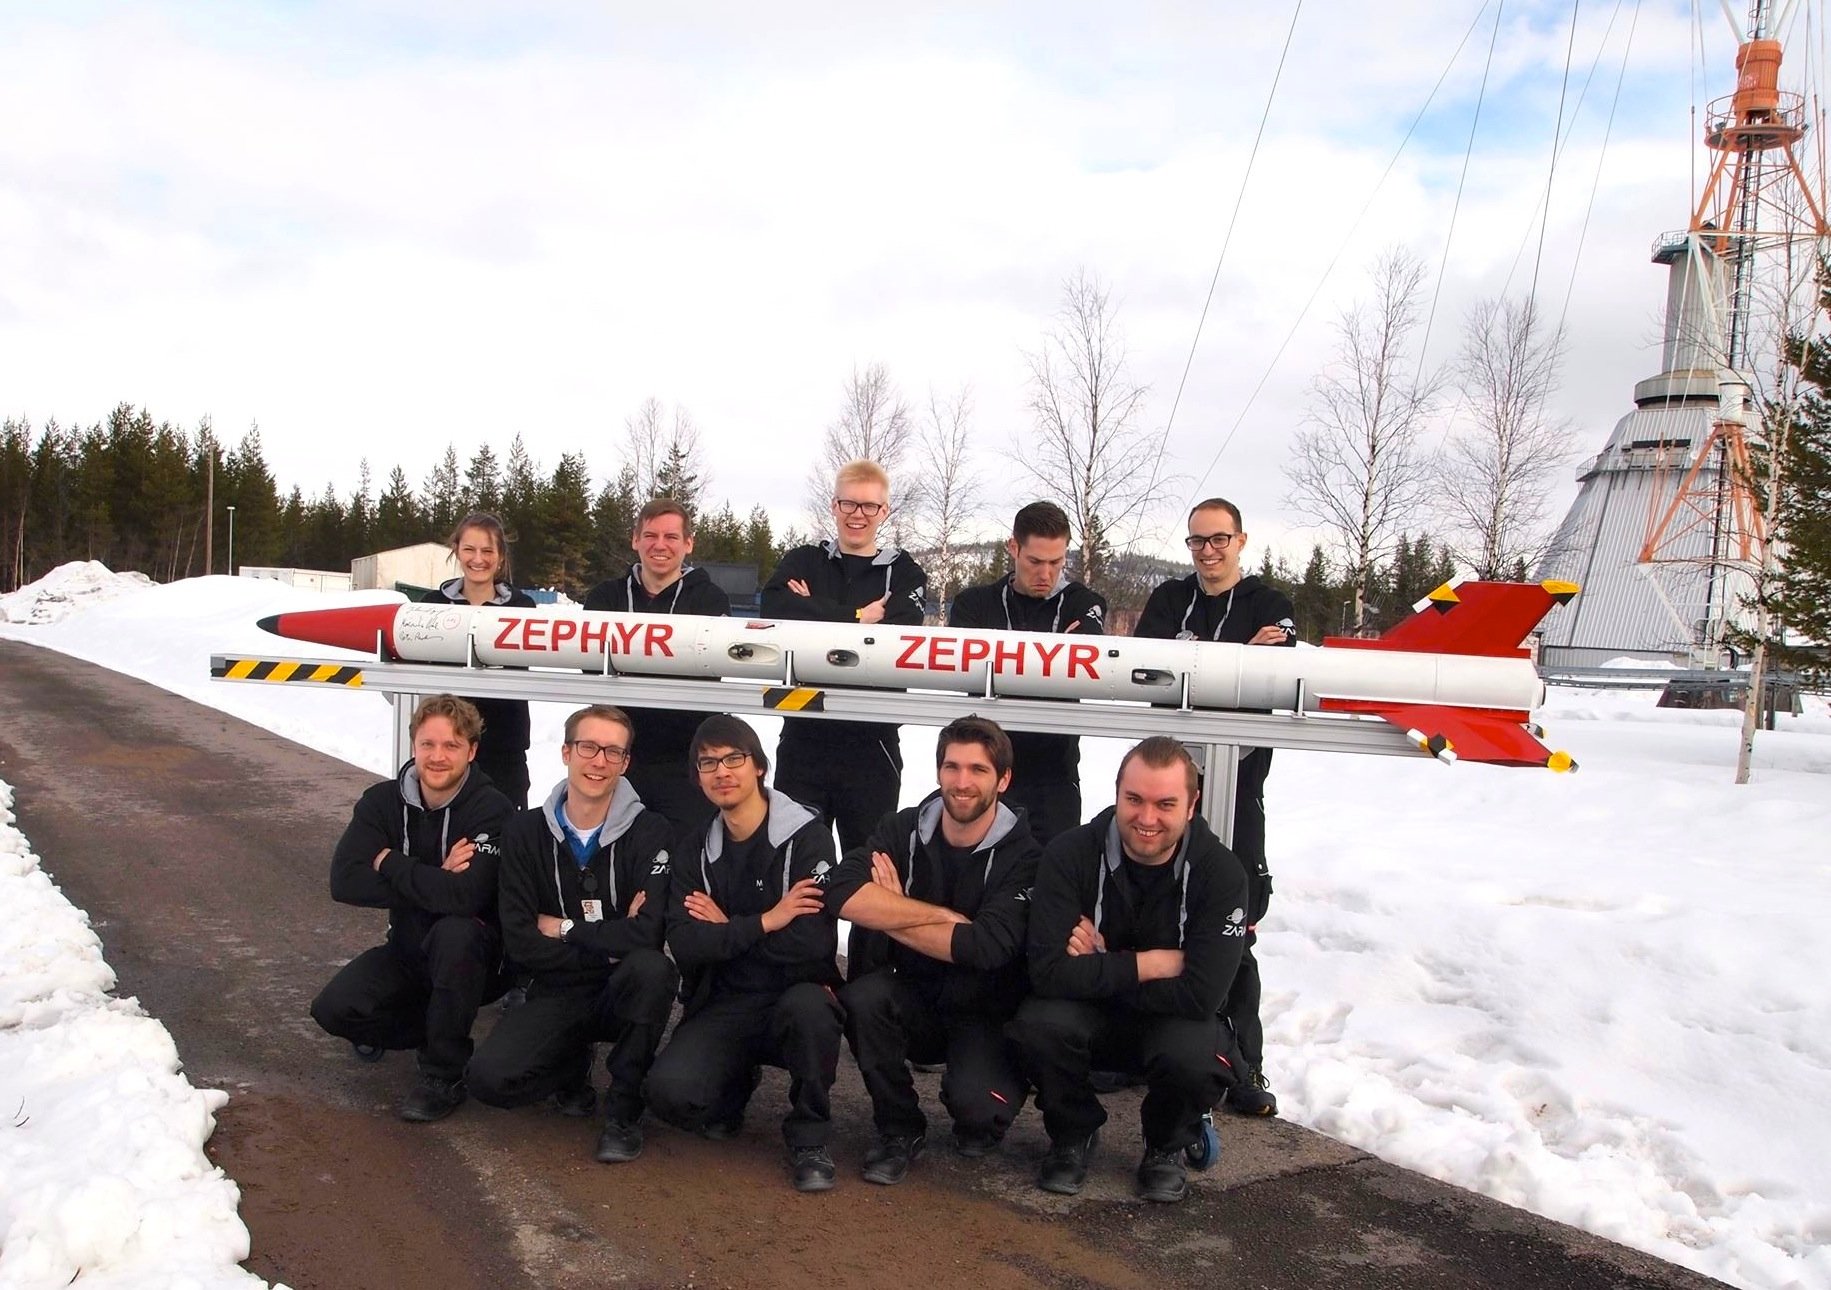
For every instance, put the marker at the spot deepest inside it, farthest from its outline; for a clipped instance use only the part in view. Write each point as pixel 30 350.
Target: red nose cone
pixel 356 628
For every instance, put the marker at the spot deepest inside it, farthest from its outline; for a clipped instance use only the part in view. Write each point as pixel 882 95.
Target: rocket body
pixel 1019 664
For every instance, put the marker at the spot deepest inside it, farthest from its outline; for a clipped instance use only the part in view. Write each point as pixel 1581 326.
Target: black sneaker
pixel 813 1169
pixel 888 1159
pixel 434 1099
pixel 1161 1176
pixel 1064 1169
pixel 578 1102
pixel 368 1052
pixel 974 1144
pixel 620 1142
pixel 1252 1095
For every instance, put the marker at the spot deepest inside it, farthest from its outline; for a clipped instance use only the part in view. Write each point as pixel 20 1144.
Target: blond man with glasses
pixel 584 886
pixel 851 772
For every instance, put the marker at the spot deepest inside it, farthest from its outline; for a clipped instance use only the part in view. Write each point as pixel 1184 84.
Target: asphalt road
pixel 200 846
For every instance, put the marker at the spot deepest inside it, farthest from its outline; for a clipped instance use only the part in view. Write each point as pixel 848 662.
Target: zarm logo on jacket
pixel 1236 924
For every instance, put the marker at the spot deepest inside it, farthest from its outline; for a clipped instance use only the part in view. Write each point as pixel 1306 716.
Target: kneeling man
pixel 943 891
pixel 1136 929
pixel 748 925
pixel 424 846
pixel 584 888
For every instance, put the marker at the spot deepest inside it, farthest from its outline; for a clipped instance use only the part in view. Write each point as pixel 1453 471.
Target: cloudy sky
pixel 379 227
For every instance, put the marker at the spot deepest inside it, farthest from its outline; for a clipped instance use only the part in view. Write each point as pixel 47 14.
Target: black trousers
pixel 852 783
pixel 1053 804
pixel 508 771
pixel 544 1045
pixel 707 1072
pixel 1185 1064
pixel 669 788
pixel 423 995
pixel 889 1024
pixel 1241 1007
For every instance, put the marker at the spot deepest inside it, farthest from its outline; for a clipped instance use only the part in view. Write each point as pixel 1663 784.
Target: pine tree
pixel 565 524
pixel 482 481
pixel 613 521
pixel 441 495
pixel 1317 600
pixel 1799 595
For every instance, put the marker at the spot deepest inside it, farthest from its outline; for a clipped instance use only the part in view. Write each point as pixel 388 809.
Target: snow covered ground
pixel 102 1169
pixel 1598 996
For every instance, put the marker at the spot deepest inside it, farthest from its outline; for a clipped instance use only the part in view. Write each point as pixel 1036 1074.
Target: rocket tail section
pixel 1493 735
pixel 1489 619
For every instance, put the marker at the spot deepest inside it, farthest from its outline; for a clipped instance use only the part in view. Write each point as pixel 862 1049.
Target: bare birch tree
pixel 1357 468
pixel 874 423
pixel 946 494
pixel 663 452
pixel 1088 449
pixel 1501 468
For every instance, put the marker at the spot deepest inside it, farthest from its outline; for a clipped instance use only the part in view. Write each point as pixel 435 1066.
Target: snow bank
pixel 67 589
pixel 102 1168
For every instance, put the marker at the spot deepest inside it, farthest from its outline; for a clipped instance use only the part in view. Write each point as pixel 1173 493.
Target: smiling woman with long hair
pixel 482 548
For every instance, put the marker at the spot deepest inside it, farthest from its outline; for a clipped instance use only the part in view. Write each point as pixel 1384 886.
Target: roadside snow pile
pixel 66 589
pixel 102 1169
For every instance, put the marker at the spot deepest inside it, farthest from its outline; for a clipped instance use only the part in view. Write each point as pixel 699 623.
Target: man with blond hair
pixel 424 846
pixel 851 772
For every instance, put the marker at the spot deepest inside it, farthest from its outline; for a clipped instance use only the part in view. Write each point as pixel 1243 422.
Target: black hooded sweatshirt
pixel 1198 906
pixel 540 875
pixel 1070 607
pixel 992 887
pixel 738 954
pixel 411 884
pixel 1178 610
pixel 505 721
pixel 839 585
pixel 662 734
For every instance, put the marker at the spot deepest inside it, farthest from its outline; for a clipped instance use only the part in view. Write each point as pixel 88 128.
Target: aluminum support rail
pixel 1219 733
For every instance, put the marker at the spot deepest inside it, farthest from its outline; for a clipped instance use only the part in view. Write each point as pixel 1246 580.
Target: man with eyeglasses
pixel 748 925
pixel 1038 596
pixel 661 582
pixel 1220 603
pixel 583 895
pixel 849 771
pixel 424 846
pixel 942 894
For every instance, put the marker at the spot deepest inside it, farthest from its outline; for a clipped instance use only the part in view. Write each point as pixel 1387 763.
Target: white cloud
pixel 379 229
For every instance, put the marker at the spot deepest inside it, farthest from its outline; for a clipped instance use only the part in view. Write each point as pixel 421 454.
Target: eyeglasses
pixel 590 751
pixel 731 760
pixel 869 510
pixel 1219 541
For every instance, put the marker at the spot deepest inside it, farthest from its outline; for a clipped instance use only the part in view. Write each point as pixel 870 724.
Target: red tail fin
pixel 1485 618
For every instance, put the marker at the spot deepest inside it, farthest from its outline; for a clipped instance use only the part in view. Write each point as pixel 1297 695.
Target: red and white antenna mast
pixel 1757 199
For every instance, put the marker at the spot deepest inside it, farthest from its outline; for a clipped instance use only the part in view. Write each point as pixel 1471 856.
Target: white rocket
pixel 1452 675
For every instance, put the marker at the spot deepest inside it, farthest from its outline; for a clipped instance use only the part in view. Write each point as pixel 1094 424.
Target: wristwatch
pixel 565 928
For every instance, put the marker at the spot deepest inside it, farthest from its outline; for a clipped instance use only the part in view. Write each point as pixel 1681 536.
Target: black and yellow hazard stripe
pixel 273 669
pixel 795 699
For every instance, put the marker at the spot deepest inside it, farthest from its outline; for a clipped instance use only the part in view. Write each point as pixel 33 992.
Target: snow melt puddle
pixel 102 1168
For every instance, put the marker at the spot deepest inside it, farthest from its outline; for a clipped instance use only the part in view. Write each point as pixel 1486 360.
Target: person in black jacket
pixel 482 549
pixel 1038 596
pixel 748 925
pixel 583 891
pixel 660 582
pixel 1136 927
pixel 1219 603
pixel 849 771
pixel 425 847
pixel 943 889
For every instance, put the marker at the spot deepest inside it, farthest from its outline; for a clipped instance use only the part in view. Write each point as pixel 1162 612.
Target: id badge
pixel 593 910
